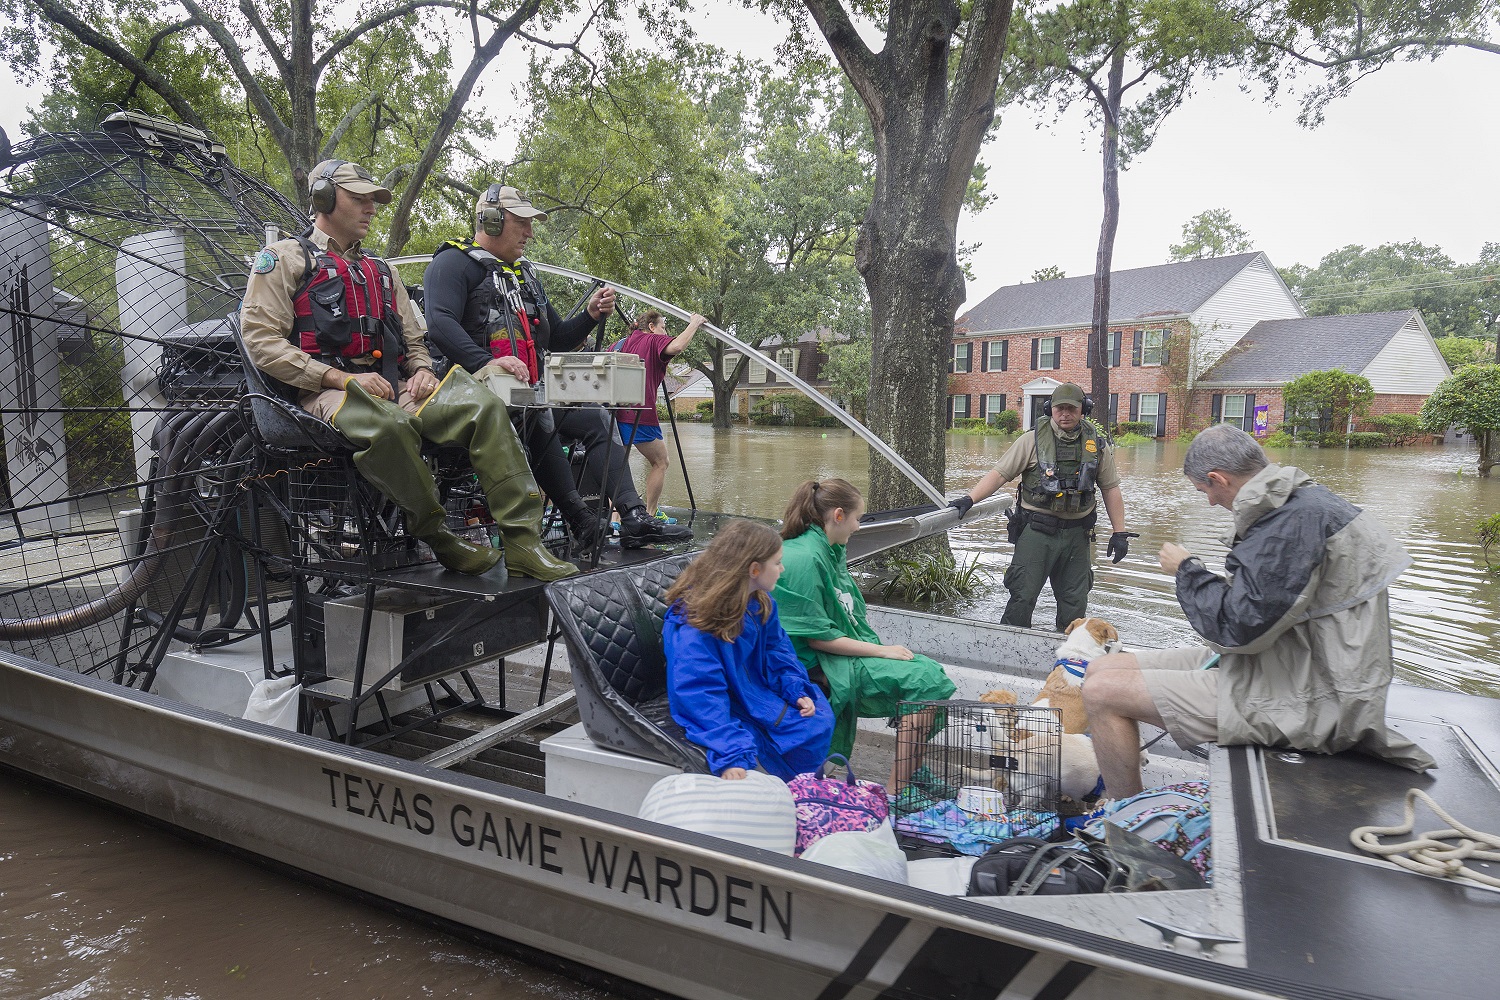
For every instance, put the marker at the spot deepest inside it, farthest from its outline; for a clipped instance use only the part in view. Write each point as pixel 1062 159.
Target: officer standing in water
pixel 1060 462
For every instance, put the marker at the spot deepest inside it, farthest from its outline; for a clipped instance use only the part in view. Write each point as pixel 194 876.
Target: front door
pixel 1036 409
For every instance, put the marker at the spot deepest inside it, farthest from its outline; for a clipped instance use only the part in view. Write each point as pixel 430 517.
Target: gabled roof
pixel 1279 350
pixel 1140 293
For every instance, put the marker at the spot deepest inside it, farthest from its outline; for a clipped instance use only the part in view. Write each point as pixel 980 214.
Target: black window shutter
pixel 1135 351
pixel 984 357
pixel 1249 427
pixel 1114 349
pixel 1002 403
pixel 1056 353
pixel 1161 414
pixel 983 412
pixel 1135 405
pixel 1217 407
pixel 1035 346
pixel 1114 409
pixel 968 400
pixel 1004 355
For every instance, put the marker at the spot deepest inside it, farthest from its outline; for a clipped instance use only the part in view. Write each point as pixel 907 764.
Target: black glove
pixel 961 503
pixel 1119 544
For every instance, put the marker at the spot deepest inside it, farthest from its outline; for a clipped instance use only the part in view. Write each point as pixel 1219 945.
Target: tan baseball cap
pixel 511 200
pixel 352 178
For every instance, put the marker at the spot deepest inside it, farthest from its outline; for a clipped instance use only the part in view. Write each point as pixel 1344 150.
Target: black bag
pixel 1027 866
pixel 1015 520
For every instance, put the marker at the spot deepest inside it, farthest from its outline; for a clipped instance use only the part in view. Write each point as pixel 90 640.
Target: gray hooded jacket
pixel 1302 621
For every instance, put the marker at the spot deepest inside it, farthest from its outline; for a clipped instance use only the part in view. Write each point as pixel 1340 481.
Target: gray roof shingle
pixel 1279 350
pixel 1161 290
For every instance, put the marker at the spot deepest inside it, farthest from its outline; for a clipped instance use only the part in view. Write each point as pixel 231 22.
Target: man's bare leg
pixel 1115 694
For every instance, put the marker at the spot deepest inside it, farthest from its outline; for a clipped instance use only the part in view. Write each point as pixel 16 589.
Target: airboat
pixel 208 621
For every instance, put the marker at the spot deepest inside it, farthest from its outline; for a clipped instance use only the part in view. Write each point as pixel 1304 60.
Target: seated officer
pixel 488 308
pixel 323 317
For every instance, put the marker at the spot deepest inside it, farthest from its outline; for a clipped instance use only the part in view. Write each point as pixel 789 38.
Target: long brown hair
pixel 814 501
pixel 714 590
pixel 647 319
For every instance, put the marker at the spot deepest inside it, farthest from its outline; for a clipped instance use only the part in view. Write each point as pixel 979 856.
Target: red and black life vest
pixel 513 306
pixel 346 308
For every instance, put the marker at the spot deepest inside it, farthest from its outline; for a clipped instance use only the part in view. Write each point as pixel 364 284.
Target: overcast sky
pixel 1409 155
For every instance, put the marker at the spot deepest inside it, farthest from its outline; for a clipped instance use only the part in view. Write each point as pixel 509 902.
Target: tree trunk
pixel 302 95
pixel 1104 259
pixel 723 399
pixel 1489 451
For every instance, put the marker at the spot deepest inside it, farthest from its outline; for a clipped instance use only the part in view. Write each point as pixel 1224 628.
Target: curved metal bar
pixel 881 448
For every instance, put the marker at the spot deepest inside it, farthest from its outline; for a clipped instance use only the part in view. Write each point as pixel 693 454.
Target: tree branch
pixel 62 16
pixel 1361 54
pixel 984 47
pixel 859 63
pixel 230 46
pixel 351 36
pixel 272 44
pixel 350 116
pixel 152 44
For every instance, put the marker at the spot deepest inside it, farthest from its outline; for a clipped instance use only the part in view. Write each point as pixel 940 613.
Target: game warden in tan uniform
pixel 325 318
pixel 1060 462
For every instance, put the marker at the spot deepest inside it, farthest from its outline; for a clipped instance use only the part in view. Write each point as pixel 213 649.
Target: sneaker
pixel 638 528
pixel 664 519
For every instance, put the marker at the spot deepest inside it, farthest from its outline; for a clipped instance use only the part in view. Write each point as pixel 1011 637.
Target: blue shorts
pixel 639 433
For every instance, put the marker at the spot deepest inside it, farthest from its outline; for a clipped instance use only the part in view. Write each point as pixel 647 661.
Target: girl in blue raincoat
pixel 734 682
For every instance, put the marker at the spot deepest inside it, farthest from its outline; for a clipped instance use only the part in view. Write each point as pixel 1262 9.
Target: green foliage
pixel 1280 439
pixel 1008 421
pixel 790 409
pixel 1137 428
pixel 1401 428
pixel 1186 435
pixel 100 446
pixel 973 425
pixel 1050 273
pixel 1456 300
pixel 1130 439
pixel 1488 531
pixel 1469 398
pixel 932 578
pixel 1460 351
pixel 705 407
pixel 1338 43
pixel 847 372
pixel 1210 234
pixel 1368 439
pixel 1324 402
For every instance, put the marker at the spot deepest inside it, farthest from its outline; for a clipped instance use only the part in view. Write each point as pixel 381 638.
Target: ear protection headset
pixel 1088 405
pixel 492 216
pixel 323 190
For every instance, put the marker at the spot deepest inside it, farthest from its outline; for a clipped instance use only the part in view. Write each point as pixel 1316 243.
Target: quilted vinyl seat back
pixel 611 622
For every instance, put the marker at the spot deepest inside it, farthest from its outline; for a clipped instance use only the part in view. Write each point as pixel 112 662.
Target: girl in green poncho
pixel 824 613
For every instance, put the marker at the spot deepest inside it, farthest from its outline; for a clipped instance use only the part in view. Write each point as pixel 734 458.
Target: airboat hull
pixel 692 916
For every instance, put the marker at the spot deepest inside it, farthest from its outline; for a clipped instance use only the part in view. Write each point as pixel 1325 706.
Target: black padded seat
pixel 611 622
pixel 276 421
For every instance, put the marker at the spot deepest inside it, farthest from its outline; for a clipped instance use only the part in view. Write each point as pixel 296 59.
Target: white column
pixel 36 454
pixel 151 282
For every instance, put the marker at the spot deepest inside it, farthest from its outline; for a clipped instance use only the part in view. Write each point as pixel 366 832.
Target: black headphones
pixel 492 216
pixel 1088 405
pixel 324 191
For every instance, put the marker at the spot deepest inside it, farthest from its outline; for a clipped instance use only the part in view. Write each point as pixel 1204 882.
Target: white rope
pixel 1429 854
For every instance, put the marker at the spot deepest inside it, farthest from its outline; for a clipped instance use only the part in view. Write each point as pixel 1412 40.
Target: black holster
pixel 1015 520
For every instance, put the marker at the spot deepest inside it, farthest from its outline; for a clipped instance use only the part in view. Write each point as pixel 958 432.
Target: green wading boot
pixel 390 457
pixel 464 413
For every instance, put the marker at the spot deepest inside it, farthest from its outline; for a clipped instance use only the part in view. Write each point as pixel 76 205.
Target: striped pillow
pixel 757 811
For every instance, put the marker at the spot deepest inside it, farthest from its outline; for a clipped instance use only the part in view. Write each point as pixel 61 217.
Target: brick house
pixel 1394 350
pixel 1016 345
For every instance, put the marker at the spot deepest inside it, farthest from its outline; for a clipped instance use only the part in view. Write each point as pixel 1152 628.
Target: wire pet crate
pixel 978 774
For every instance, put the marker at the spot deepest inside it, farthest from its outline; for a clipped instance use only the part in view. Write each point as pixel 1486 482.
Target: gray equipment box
pixel 514 391
pixel 608 377
pixel 403 621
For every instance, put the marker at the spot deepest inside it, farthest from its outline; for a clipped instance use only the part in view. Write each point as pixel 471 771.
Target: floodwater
pixel 94 904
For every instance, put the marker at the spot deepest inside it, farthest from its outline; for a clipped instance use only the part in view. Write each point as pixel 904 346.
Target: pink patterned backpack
pixel 829 805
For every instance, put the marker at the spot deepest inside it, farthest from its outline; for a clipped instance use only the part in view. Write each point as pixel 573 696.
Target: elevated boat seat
pixel 276 421
pixel 611 622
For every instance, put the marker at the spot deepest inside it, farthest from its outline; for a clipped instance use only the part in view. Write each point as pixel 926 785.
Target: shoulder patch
pixel 265 261
pixel 1089 445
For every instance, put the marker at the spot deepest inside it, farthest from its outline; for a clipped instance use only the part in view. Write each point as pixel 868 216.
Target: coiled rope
pixel 1429 853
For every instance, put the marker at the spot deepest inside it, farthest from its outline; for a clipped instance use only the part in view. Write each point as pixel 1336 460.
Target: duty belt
pixel 1048 521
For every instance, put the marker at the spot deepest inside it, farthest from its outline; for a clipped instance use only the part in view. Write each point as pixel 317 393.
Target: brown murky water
pixel 94 904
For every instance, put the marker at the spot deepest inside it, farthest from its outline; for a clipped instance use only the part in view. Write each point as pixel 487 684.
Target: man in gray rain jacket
pixel 1297 633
